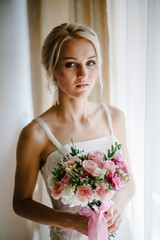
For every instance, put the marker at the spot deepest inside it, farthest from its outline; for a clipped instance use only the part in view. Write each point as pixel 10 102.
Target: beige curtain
pixel 93 14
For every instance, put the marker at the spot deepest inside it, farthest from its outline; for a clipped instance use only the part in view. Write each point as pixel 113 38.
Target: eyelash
pixel 69 64
pixel 72 64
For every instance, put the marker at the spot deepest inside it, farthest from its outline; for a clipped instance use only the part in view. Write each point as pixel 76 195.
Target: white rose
pixel 99 172
pixel 69 197
pixel 67 192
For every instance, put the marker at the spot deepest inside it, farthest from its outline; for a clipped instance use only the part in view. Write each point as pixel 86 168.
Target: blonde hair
pixel 55 39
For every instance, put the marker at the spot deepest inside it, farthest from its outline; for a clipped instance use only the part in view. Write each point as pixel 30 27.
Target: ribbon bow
pixel 97 224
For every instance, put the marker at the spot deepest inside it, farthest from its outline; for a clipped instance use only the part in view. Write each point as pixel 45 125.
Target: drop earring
pixel 56 98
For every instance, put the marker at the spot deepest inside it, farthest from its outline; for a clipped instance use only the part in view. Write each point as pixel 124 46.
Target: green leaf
pixel 97 178
pixel 105 157
pixel 110 187
pixel 90 205
pixel 112 148
pixel 111 235
pixel 109 153
pixel 60 152
pixel 72 141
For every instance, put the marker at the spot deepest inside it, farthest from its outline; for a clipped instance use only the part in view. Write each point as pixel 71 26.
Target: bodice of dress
pixel 101 144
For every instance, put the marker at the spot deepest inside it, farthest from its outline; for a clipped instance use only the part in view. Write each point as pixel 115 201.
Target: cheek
pixel 63 78
pixel 94 74
pixel 65 75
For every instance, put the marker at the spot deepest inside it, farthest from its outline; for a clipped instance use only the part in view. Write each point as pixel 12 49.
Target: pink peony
pixel 66 179
pixel 57 190
pixel 84 193
pixel 120 160
pixel 117 181
pixel 101 192
pixel 90 166
pixel 109 165
pixel 96 157
pixel 71 161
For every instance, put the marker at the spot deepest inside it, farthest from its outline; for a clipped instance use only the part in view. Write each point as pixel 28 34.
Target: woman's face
pixel 76 69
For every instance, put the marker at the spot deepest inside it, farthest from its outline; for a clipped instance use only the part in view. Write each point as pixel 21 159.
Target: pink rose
pixel 66 179
pixel 109 165
pixel 117 181
pixel 84 193
pixel 101 192
pixel 120 161
pixel 90 166
pixel 118 156
pixel 96 157
pixel 57 190
pixel 71 161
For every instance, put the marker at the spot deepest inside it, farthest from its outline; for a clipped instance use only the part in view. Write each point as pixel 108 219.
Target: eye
pixel 70 64
pixel 91 63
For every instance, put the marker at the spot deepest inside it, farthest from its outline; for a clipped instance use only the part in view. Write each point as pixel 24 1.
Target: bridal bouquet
pixel 90 180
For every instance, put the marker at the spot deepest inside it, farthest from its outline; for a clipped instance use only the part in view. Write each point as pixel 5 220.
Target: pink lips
pixel 82 85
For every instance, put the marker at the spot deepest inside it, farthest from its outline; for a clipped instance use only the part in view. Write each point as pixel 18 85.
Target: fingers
pixel 113 220
pixel 115 225
pixel 109 214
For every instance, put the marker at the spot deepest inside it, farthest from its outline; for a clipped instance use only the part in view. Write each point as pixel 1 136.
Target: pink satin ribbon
pixel 97 224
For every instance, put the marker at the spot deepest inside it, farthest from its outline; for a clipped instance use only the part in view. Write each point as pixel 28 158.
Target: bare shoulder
pixel 118 122
pixel 32 131
pixel 32 135
pixel 117 115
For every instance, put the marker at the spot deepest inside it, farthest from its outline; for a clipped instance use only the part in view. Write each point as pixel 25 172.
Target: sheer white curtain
pixel 152 126
pixel 134 36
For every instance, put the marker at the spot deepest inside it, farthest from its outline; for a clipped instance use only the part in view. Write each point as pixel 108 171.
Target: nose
pixel 82 72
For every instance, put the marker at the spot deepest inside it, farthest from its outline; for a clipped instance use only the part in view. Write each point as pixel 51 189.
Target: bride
pixel 72 59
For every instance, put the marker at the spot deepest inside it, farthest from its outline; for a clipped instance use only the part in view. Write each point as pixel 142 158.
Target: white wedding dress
pixel 102 143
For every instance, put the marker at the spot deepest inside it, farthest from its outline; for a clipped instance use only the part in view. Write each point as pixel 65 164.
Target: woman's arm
pixel 120 200
pixel 30 147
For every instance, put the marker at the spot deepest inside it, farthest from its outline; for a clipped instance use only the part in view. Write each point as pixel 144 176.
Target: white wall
pixel 15 107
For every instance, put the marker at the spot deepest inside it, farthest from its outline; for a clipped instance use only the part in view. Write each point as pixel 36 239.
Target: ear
pixel 54 79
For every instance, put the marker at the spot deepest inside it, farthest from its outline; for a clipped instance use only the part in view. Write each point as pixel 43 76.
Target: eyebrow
pixel 77 58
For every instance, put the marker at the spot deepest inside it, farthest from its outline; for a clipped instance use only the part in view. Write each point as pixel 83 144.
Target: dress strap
pixel 108 114
pixel 47 131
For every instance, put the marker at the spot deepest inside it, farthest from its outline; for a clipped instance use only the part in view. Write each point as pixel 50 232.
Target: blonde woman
pixel 72 59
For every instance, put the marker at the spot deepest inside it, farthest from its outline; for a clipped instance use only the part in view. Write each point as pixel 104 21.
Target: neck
pixel 73 109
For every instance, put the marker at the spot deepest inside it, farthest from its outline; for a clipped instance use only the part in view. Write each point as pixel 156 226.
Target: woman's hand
pixel 114 217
